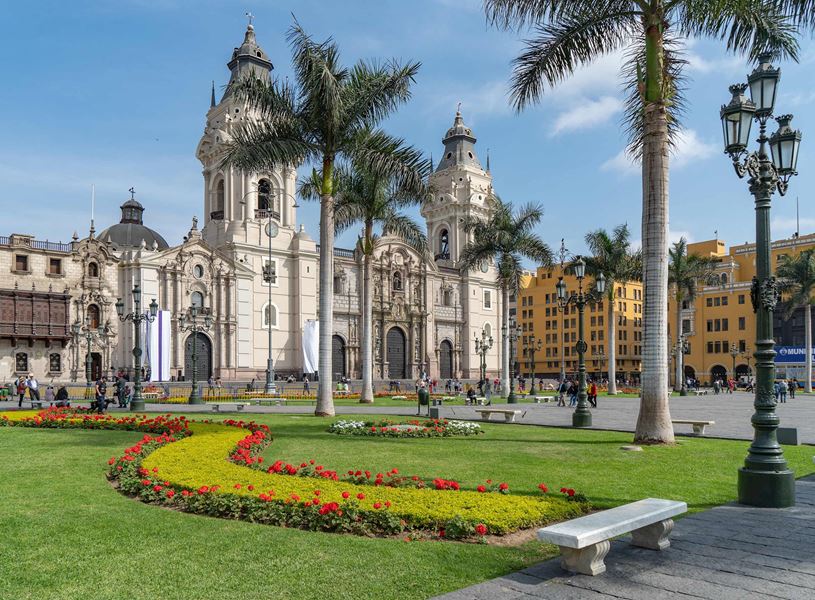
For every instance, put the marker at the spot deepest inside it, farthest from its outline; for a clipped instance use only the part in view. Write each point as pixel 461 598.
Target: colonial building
pixel 57 300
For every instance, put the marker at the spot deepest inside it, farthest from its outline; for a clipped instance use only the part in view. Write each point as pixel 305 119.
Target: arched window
pixel 54 362
pixel 21 362
pixel 488 330
pixel 447 297
pixel 269 315
pixel 93 269
pixel 264 195
pixel 397 280
pixel 724 278
pixel 219 196
pixel 444 245
pixel 197 299
pixel 93 316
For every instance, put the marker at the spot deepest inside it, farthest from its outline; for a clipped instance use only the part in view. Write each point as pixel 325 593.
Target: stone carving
pixel 654 537
pixel 588 561
pixel 764 294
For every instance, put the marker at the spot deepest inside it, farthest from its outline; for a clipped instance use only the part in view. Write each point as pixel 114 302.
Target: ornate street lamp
pixel 765 479
pixel 513 334
pixel 190 322
pixel 734 353
pixel 137 317
pixel 84 329
pixel 482 346
pixel 532 346
pixel 581 416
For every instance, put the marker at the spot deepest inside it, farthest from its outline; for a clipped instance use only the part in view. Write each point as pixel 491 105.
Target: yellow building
pixel 719 324
pixel 540 320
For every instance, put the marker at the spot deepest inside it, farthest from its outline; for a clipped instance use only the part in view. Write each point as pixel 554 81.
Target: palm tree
pixel 797 278
pixel 570 33
pixel 612 256
pixel 372 197
pixel 507 238
pixel 685 271
pixel 329 114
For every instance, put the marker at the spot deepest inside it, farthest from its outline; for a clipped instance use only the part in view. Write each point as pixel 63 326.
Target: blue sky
pixel 115 92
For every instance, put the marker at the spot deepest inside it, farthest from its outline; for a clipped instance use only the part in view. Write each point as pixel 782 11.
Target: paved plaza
pixel 730 552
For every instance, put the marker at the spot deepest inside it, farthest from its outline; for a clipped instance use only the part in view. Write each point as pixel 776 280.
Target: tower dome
pixel 248 59
pixel 459 146
pixel 130 231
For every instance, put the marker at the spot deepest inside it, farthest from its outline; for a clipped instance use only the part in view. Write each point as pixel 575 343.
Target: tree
pixel 570 33
pixel 329 114
pixel 612 256
pixel 685 271
pixel 507 238
pixel 796 276
pixel 376 198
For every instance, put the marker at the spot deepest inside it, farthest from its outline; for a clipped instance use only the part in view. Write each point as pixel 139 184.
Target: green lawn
pixel 68 535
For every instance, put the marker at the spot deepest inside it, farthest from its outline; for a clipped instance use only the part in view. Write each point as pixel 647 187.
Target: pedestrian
pixel 210 385
pixel 101 391
pixel 306 388
pixel 793 387
pixel 573 394
pixel 777 391
pixel 782 389
pixel 121 391
pixel 62 398
pixel 21 388
pixel 33 388
pixel 593 394
pixel 49 395
pixel 561 393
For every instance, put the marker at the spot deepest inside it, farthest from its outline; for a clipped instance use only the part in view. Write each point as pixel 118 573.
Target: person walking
pixel 62 398
pixel 573 394
pixel 121 391
pixel 306 387
pixel 593 394
pixel 777 390
pixel 21 388
pixel 792 386
pixel 561 393
pixel 49 395
pixel 782 389
pixel 101 393
pixel 33 388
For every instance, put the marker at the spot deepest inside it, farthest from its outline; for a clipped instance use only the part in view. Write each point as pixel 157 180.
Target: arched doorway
pixel 718 372
pixel 446 360
pixel 203 352
pixel 396 354
pixel 338 356
pixel 96 366
pixel 742 371
pixel 690 372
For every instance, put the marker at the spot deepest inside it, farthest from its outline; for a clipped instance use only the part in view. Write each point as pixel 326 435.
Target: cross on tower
pixel 132 193
pixel 251 17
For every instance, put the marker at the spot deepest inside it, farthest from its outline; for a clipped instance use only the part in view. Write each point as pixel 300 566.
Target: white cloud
pixel 786 226
pixel 490 98
pixel 689 148
pixel 587 113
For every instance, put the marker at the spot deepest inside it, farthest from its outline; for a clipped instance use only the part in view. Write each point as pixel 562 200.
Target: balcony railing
pixel 261 213
pixel 217 215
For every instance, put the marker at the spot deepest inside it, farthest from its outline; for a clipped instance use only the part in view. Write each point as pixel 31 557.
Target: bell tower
pixel 461 187
pixel 238 203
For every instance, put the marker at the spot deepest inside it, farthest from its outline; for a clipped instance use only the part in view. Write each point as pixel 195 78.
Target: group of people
pixel 571 388
pixel 29 384
pixel 782 387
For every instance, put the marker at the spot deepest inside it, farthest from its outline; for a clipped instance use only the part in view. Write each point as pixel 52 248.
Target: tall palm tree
pixel 330 113
pixel 797 279
pixel 612 256
pixel 376 198
pixel 507 238
pixel 685 271
pixel 570 33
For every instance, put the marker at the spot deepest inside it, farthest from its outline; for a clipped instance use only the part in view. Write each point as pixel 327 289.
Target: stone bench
pixel 398 397
pixel 698 426
pixel 701 392
pixel 227 406
pixel 37 404
pixel 270 402
pixel 585 541
pixel 543 399
pixel 509 414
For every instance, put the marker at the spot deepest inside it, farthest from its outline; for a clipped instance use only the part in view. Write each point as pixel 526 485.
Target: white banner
pixel 311 346
pixel 158 353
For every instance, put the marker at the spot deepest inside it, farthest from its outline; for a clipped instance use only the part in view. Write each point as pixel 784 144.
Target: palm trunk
pixel 612 347
pixel 808 342
pixel 679 376
pixel 654 421
pixel 325 398
pixel 367 319
pixel 505 383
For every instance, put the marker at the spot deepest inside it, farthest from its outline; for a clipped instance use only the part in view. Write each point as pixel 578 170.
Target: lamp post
pixel 84 329
pixel 679 351
pixel 137 317
pixel 531 347
pixel 581 416
pixel 270 277
pixel 482 346
pixel 514 333
pixel 734 352
pixel 191 323
pixel 765 479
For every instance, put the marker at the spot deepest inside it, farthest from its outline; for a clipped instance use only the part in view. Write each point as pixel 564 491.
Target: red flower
pixel 360 496
pixel 570 491
pixel 170 493
pixel 237 486
pixel 387 503
pixel 316 492
pixel 251 488
pixel 542 487
pixel 345 495
pixel 157 488
pixel 316 501
pixel 503 487
pixel 563 490
pixel 481 529
pixel 441 532
pixel 112 460
pixel 377 505
pixel 489 481
pixel 481 489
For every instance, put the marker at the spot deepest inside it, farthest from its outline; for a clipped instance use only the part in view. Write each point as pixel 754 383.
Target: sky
pixel 114 93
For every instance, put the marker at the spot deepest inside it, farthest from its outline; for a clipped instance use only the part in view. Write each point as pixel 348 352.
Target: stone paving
pixel 730 552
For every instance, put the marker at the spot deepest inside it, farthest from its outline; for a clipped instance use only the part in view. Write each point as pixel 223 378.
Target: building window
pixel 198 271
pixel 709 302
pixel 269 270
pixel 397 281
pixel 724 324
pixel 487 299
pixel 444 245
pixel 21 263
pixel 54 266
pixel 742 323
pixel 447 298
pixel 54 363
pixel 21 362
pixel 93 316
pixel 724 300
pixel 93 269
pixel 717 301
pixel 710 347
pixel 717 347
pixel 219 197
pixel 269 315
pixel 724 278
pixel 741 298
pixel 264 195
pixel 197 300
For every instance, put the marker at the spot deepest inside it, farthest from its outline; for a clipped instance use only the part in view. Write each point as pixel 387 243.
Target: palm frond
pixel 516 14
pixel 406 229
pixel 263 145
pixel 379 153
pixel 374 91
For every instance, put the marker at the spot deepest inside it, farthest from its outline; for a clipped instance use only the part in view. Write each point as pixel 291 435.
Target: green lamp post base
pixel 195 399
pixel 511 399
pixel 137 406
pixel 766 489
pixel 581 419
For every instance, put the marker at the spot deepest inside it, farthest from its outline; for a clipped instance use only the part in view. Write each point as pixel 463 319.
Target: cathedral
pixel 250 267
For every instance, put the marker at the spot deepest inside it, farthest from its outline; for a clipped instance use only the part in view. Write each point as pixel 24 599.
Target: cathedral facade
pixel 251 267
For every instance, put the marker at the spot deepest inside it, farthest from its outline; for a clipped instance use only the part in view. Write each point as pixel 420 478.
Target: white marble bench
pixel 698 425
pixel 543 399
pixel 398 397
pixel 584 542
pixel 226 406
pixel 509 414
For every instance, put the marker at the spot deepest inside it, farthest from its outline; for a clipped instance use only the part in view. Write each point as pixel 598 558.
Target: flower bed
pixel 201 467
pixel 406 429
